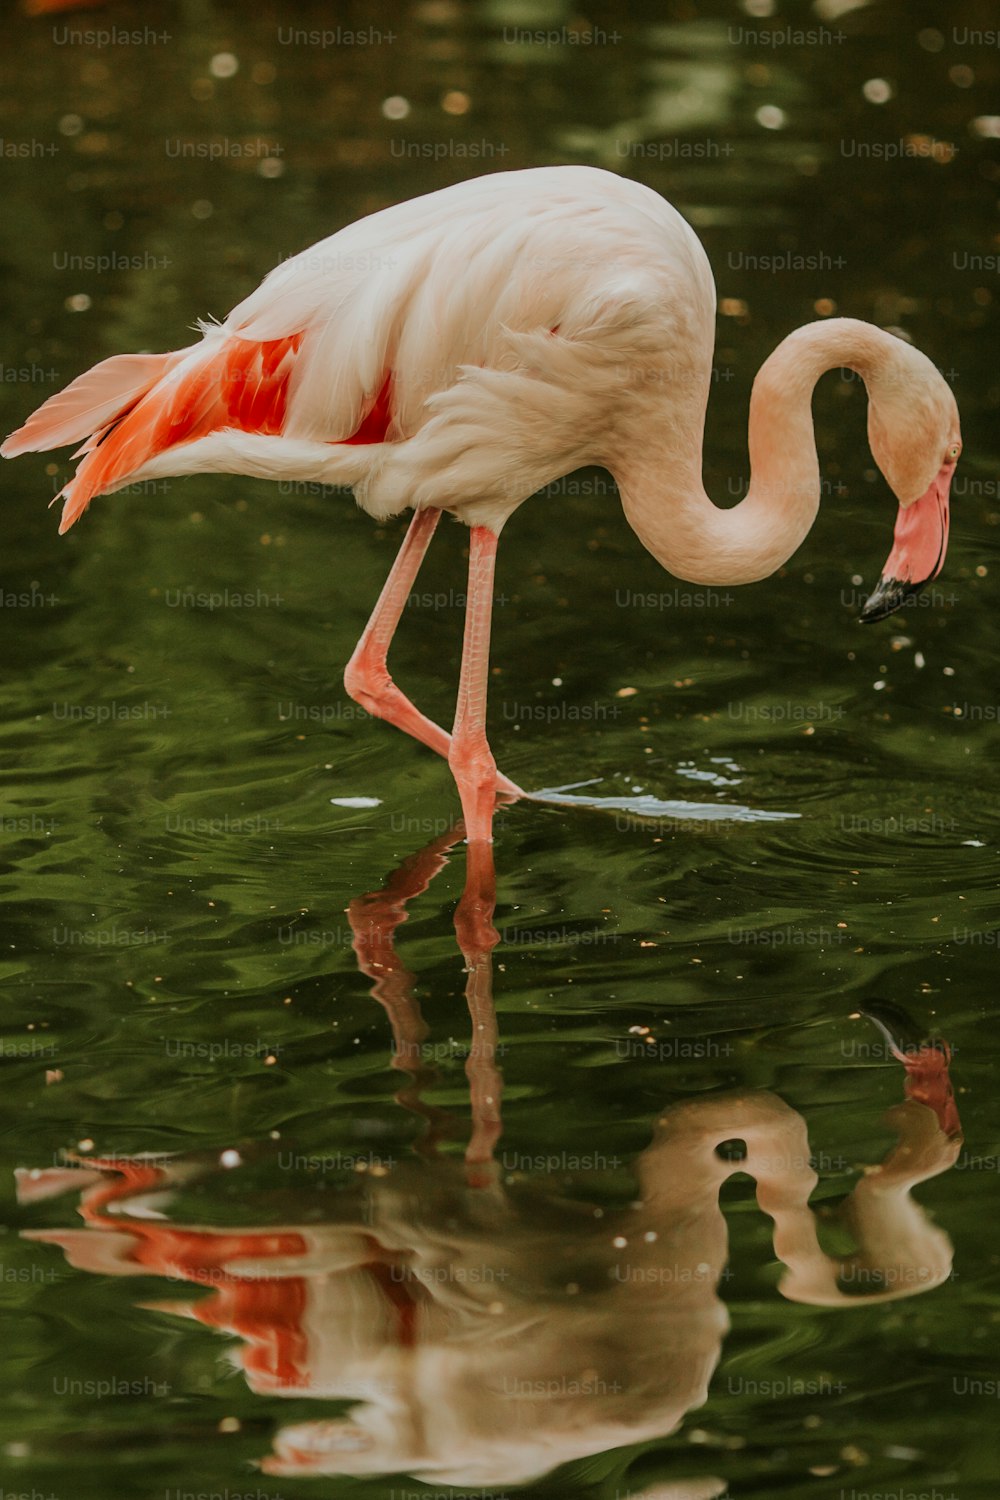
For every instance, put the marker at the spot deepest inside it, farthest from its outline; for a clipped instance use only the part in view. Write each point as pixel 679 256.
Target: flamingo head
pixel 915 438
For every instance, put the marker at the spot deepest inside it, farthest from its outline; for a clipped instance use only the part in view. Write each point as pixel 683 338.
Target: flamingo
pixel 460 352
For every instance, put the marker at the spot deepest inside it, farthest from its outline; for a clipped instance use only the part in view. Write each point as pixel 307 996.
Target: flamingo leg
pixel 367 678
pixel 469 754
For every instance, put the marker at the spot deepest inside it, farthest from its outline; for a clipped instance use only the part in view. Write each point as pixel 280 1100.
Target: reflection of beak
pixel 921 539
pixel 896 1025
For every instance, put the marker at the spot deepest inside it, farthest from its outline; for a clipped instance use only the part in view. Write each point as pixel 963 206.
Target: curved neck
pixel 659 478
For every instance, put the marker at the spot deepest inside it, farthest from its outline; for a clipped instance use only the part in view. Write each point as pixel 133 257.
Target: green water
pixel 180 763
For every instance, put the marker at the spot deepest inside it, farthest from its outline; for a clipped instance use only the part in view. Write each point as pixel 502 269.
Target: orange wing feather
pixel 242 385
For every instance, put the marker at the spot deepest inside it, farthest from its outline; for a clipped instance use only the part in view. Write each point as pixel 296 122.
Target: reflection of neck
pixel 899 1252
pixel 659 476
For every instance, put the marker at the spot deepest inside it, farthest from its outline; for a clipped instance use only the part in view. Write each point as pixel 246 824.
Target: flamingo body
pixel 460 351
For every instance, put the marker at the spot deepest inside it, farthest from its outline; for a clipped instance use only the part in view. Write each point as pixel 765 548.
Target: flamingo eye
pixel 953 452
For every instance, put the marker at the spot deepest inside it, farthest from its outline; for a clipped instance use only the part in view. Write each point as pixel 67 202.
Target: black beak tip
pixel 888 596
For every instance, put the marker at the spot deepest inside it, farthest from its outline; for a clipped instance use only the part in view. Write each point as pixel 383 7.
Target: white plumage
pixel 456 294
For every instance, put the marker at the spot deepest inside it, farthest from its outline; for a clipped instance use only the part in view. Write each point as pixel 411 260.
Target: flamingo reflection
pixel 484 1329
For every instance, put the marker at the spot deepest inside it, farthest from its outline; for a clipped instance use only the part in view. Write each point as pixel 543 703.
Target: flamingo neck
pixel 660 478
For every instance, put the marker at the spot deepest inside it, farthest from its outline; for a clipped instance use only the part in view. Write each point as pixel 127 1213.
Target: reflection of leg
pixel 374 919
pixel 469 755
pixel 477 937
pixel 367 678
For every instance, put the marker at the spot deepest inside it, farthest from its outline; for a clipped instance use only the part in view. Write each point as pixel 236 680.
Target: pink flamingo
pixel 460 352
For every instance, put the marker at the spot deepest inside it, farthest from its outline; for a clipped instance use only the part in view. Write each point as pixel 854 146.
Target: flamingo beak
pixel 917 556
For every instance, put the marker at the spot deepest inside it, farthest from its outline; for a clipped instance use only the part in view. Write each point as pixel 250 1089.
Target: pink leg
pixel 367 677
pixel 469 756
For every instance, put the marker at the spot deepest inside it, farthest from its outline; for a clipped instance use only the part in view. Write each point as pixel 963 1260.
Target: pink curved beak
pixel 919 546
